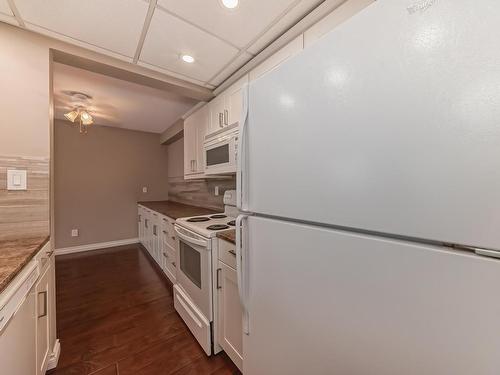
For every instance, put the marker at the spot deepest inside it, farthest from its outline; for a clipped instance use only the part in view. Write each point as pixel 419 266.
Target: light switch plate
pixel 17 179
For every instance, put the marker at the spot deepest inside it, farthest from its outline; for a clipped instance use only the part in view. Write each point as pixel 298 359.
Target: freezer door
pixel 390 123
pixel 330 302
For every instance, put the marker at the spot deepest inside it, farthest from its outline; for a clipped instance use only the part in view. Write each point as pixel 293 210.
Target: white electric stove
pixel 193 291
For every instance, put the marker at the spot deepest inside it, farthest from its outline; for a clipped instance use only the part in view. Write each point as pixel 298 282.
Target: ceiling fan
pixel 79 112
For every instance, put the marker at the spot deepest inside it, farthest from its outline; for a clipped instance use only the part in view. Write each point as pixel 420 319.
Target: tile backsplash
pixel 199 192
pixel 25 212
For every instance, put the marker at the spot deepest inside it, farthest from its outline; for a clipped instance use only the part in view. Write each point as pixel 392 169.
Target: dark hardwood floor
pixel 115 315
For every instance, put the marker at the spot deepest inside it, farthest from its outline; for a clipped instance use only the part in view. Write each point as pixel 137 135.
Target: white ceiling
pixel 221 40
pixel 118 103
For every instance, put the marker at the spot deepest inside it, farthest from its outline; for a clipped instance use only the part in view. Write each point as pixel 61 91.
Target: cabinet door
pixel 147 230
pixel 233 101
pixel 202 121
pixel 230 328
pixel 140 226
pixel 216 110
pixel 156 238
pixel 18 340
pixel 279 57
pixel 190 145
pixel 43 302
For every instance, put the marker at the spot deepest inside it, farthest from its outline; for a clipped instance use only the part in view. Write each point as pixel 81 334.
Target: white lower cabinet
pixel 18 339
pixel 157 235
pixel 229 309
pixel 28 343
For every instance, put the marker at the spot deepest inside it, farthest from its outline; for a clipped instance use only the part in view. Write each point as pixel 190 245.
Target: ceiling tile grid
pixel 221 40
pixel 169 38
pixel 113 25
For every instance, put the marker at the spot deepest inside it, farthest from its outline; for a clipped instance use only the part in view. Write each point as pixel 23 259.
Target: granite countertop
pixel 15 254
pixel 228 235
pixel 176 210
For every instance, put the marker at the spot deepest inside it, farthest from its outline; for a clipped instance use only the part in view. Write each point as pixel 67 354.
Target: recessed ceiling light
pixel 187 58
pixel 231 4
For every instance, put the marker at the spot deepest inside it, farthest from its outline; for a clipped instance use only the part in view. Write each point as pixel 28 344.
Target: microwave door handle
pixel 240 162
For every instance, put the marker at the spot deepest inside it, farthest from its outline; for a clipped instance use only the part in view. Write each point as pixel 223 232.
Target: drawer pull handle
pixel 232 252
pixel 218 278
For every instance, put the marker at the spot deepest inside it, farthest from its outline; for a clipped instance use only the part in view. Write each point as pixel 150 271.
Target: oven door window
pixel 190 263
pixel 218 155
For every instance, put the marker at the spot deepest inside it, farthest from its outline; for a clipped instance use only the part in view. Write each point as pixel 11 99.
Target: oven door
pixel 221 153
pixel 194 269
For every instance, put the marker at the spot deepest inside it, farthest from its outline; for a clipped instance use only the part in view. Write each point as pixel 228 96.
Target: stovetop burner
pixel 218 216
pixel 232 223
pixel 198 219
pixel 217 227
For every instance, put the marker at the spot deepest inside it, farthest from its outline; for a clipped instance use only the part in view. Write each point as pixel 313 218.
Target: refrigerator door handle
pixel 240 174
pixel 241 264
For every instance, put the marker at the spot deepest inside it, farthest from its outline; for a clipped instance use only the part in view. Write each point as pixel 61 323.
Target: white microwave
pixel 221 151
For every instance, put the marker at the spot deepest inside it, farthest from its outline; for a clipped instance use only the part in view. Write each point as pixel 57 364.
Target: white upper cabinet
pixel 225 109
pixel 280 56
pixel 216 113
pixel 195 129
pixel 189 145
pixel 234 100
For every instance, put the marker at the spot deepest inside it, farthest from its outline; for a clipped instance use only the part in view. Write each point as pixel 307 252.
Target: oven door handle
pixel 190 239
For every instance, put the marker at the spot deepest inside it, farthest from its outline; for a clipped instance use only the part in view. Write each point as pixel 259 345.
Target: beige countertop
pixel 15 254
pixel 176 210
pixel 228 235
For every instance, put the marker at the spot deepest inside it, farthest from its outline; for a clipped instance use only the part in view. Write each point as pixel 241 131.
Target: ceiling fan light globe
pixel 71 116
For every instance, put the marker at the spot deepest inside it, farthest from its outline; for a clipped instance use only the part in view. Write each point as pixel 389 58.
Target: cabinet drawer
pixel 168 233
pixel 194 319
pixel 170 265
pixel 227 252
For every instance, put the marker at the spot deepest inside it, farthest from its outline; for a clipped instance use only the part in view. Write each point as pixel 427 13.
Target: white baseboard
pixel 54 356
pixel 95 246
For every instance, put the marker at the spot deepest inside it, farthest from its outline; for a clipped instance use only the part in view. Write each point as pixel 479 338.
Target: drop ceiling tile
pixel 239 26
pixel 237 63
pixel 5 8
pixel 8 19
pixel 114 25
pixel 287 21
pixel 169 37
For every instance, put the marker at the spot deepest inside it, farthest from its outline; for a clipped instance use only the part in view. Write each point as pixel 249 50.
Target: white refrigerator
pixel 369 181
